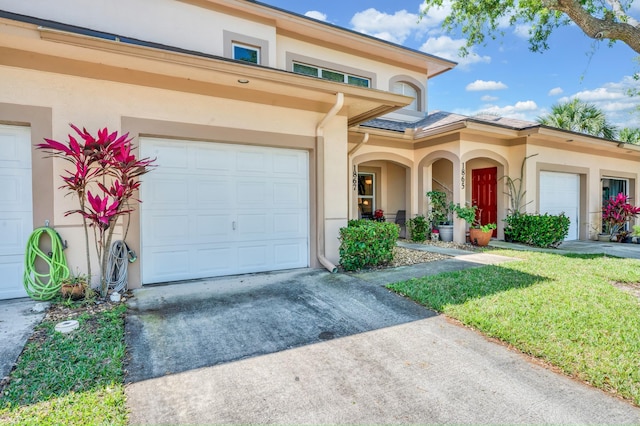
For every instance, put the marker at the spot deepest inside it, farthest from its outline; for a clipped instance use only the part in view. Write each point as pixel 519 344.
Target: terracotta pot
pixel 73 291
pixel 479 238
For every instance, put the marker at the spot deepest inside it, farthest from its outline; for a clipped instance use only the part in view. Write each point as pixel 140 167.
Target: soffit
pixel 27 46
pixel 332 36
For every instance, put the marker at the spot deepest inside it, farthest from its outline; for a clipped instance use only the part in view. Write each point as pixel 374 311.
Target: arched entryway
pixel 380 181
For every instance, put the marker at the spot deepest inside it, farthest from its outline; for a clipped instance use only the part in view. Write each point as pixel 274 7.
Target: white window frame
pixel 371 197
pixel 415 92
pixel 235 44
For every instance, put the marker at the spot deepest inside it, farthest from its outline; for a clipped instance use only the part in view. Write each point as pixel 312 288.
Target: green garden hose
pixel 44 286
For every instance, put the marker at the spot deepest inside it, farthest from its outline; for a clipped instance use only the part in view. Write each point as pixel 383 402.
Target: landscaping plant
pixel 105 177
pixel 617 213
pixel 537 230
pixel 367 243
pixel 418 229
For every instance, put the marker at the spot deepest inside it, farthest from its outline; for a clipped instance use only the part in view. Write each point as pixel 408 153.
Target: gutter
pixel 320 242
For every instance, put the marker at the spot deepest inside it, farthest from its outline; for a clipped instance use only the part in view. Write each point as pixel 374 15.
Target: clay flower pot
pixel 479 238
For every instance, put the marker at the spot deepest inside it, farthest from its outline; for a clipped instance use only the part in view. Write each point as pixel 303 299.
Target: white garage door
pixel 16 215
pixel 212 209
pixel 560 192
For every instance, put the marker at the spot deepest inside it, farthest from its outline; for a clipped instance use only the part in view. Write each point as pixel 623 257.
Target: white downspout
pixel 320 246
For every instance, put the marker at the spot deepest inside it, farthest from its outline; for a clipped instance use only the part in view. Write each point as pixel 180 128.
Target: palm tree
pixel 579 116
pixel 630 135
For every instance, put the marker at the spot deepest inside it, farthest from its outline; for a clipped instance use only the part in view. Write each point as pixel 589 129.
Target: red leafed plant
pixel 97 162
pixel 617 212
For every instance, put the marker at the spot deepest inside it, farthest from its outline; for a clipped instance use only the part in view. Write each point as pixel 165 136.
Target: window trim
pixel 292 58
pixel 371 197
pixel 420 89
pixel 230 38
pixel 235 44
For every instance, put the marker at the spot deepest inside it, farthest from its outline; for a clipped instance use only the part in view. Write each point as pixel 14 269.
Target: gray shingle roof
pixel 442 118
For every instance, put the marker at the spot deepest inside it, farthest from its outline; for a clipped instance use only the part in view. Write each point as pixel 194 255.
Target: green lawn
pixel 562 309
pixel 70 379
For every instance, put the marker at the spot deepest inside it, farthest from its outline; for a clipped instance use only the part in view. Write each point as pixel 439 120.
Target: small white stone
pixel 40 307
pixel 67 326
pixel 115 297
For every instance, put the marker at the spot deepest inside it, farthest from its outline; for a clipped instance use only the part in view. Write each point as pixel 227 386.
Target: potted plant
pixel 75 287
pixel 616 213
pixel 482 235
pixel 441 214
pixel 479 234
pixel 378 216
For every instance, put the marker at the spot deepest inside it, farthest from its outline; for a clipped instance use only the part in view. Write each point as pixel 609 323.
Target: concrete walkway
pixel 308 347
pixel 17 321
pixel 631 251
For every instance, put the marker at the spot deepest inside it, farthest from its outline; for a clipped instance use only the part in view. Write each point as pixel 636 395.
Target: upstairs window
pixel 331 75
pixel 404 88
pixel 243 52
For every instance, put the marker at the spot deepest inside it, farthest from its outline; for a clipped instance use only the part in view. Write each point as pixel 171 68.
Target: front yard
pixel 578 313
pixel 70 379
pixel 571 311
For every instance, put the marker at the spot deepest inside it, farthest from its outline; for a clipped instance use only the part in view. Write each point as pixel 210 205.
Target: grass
pixel 562 309
pixel 73 378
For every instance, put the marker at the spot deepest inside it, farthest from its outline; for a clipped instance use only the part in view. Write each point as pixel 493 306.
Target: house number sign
pixel 462 176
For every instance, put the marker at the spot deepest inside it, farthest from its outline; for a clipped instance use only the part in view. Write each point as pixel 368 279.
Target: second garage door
pixel 560 192
pixel 213 209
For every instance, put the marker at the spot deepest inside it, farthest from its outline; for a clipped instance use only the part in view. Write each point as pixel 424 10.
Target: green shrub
pixel 537 230
pixel 418 229
pixel 367 243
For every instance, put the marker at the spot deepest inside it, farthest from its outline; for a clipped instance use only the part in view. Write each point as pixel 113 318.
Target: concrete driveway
pixel 310 347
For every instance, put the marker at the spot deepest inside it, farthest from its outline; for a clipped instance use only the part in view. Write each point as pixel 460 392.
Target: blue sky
pixel 503 77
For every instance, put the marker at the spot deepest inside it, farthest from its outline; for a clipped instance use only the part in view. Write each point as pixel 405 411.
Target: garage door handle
pixel 233 225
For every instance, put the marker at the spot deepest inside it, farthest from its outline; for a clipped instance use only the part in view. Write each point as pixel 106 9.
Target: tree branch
pixel 595 27
pixel 620 13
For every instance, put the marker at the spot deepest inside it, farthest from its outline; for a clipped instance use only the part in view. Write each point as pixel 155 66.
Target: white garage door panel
pixel 225 209
pixel 16 212
pixel 560 193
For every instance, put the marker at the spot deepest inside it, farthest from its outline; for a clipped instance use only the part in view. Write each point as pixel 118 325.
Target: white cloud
pixel 614 101
pixel 489 98
pixel 522 110
pixel 436 15
pixel 394 28
pixel 522 30
pixel 448 48
pixel 316 15
pixel 555 91
pixel 479 85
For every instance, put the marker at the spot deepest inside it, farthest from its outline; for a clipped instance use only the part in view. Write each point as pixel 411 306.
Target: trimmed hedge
pixel 537 230
pixel 367 243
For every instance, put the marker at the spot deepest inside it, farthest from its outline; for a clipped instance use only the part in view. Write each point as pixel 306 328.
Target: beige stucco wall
pixel 95 104
pixel 169 22
pixel 444 159
pixel 592 166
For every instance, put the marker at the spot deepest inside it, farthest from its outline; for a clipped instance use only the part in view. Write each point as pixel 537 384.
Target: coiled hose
pixel 119 256
pixel 44 286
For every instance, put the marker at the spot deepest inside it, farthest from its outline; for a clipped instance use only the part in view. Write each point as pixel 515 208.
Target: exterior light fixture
pixel 243 81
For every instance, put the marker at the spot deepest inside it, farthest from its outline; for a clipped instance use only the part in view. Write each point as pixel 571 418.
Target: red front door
pixel 484 194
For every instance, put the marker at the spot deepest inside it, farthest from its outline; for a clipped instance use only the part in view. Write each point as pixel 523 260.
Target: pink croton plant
pixel 616 213
pixel 97 162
